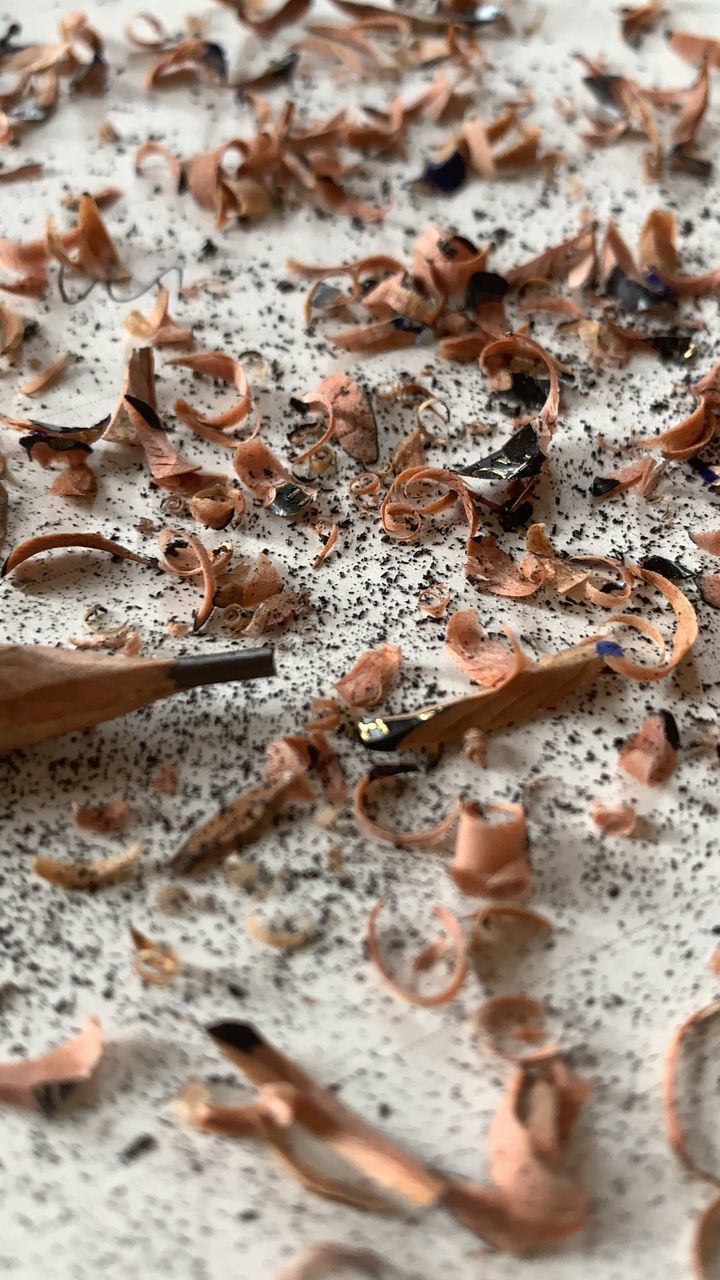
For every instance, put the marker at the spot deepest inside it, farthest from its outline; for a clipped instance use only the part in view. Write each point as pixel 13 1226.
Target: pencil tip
pixel 236 1035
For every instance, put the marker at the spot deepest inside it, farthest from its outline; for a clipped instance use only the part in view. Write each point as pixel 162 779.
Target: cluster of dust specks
pixel 120 1188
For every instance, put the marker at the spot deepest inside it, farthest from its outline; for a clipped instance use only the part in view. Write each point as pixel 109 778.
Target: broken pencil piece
pixel 532 688
pixel 46 692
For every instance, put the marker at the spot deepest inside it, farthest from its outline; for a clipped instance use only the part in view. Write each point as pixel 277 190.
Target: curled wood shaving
pixel 88 877
pixel 475 746
pixel 686 632
pixel 172 543
pixel 153 150
pixel 23 173
pixel 478 140
pixel 246 586
pixel 403 519
pixel 688 438
pixel 367 785
pixel 695 48
pixel 492 570
pixel 327 531
pixel 217 505
pixel 112 816
pixel 526 1145
pixel 639 20
pixel 215 364
pixel 350 419
pixel 651 754
pixel 139 381
pixel 502 927
pixel 12 329
pixel 707 540
pixel 260 471
pixel 674 1128
pixel 364 489
pixel 704 1242
pixel 145 31
pixel 44 1083
pixel 573 259
pixel 155 962
pixel 491 857
pixel 614 819
pixel 240 822
pixel 103 636
pixel 167 467
pixel 275 612
pixel 47 377
pixel 457 979
pixel 496 359
pixel 58 541
pixel 188 60
pixel 487 662
pixel 95 252
pixel 542 564
pixel 531 1204
pixel 320 1113
pixel 280 939
pixel 157 327
pixel 410 452
pixel 506 1020
pixel 368 681
pixel 322 1260
pixel 434 600
pixel 709 586
pixel 644 474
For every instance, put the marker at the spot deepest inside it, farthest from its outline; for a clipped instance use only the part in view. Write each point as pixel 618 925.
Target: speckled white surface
pixel 634 921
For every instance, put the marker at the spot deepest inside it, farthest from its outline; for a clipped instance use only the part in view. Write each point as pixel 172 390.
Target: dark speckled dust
pixel 118 1185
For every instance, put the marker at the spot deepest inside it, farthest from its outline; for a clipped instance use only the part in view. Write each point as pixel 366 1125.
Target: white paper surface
pixel 633 920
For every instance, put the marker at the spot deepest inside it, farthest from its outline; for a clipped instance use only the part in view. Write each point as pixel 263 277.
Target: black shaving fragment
pixel 511 517
pixel 448 249
pixel 673 345
pixel 7 44
pixel 669 569
pixel 325 295
pixel 484 286
pixel 48 431
pixel 446 175
pixel 532 392
pixel 145 410
pixel 633 296
pixel 604 87
pixel 214 56
pixel 379 771
pixel 29 442
pixel 669 728
pixel 290 500
pixel 602 485
pixel 519 458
